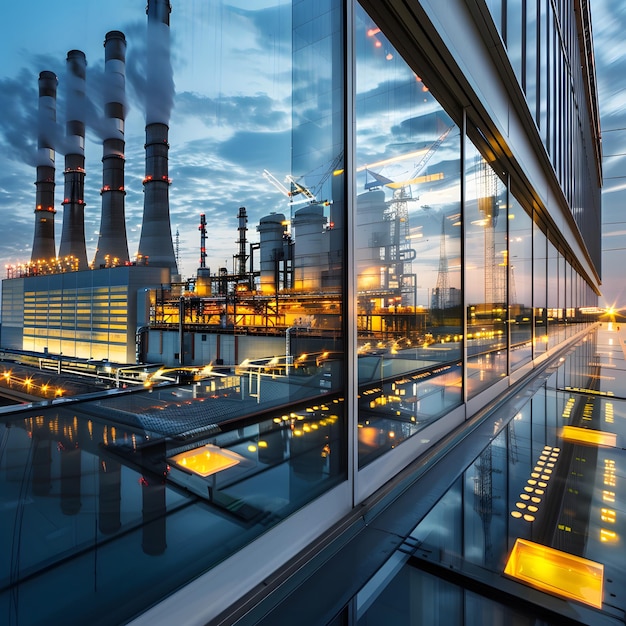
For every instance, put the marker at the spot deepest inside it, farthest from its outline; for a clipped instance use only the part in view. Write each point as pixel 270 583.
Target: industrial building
pixel 399 406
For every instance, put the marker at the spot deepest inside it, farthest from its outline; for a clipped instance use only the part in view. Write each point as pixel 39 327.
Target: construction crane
pixel 487 190
pixel 400 252
pixel 295 189
pixel 425 155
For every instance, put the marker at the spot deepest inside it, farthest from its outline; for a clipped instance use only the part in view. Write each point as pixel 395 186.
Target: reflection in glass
pixel 96 491
pixel 407 247
pixel 540 286
pixel 520 259
pixel 554 312
pixel 533 483
pixel 485 273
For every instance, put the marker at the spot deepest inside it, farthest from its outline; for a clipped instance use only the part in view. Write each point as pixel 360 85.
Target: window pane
pixel 486 276
pixel 540 302
pixel 520 278
pixel 407 248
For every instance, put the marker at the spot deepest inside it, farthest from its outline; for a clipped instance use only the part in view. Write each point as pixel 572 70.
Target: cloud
pixel 257 111
pixel 18 138
pixel 614 233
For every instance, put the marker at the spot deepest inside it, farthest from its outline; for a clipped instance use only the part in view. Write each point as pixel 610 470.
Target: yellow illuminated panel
pixel 206 460
pixel 587 435
pixel 556 572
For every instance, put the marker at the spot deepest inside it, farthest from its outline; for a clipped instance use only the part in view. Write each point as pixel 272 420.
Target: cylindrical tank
pixel 43 241
pixel 203 282
pixel 310 256
pixel 372 235
pixel 112 243
pixel 271 230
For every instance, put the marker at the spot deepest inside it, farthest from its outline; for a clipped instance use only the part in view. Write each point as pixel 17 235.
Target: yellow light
pixel 589 436
pixel 556 572
pixel 206 460
pixel 608 496
pixel 607 536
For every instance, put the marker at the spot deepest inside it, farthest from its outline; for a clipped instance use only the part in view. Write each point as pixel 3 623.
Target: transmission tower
pixel 442 291
pixel 177 247
pixel 487 181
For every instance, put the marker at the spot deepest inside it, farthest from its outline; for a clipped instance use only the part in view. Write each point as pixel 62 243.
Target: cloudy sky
pixel 231 117
pixel 230 121
pixel 609 25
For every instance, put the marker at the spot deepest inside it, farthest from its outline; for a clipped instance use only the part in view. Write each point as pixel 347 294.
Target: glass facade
pixel 414 274
pixel 486 277
pixel 542 45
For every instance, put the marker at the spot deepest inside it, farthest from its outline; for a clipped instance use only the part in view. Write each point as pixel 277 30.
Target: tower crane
pixel 298 189
pixel 399 252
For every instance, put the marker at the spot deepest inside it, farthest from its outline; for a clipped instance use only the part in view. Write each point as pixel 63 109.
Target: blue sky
pixel 231 118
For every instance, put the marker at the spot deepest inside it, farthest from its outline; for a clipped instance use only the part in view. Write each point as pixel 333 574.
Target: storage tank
pixel 310 256
pixel 372 235
pixel 272 231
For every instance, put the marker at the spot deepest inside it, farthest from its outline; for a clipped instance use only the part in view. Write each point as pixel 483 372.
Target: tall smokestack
pixel 43 242
pixel 155 242
pixel 112 243
pixel 73 235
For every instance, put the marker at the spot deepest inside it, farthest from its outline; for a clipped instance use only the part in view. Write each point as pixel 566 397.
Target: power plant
pixel 285 284
pixel 155 243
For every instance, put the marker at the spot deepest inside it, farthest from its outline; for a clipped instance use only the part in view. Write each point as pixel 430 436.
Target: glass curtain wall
pixel 553 295
pixel 540 38
pixel 408 248
pixel 520 261
pixel 171 481
pixel 485 272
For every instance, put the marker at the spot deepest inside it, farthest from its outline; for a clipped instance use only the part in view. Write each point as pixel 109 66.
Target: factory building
pixel 399 406
pixel 62 303
pixel 90 315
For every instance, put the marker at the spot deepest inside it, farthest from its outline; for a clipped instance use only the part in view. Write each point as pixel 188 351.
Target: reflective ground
pixel 552 477
pixel 107 506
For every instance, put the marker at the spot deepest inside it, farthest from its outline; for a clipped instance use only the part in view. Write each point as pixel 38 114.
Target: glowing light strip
pixel 556 572
pixel 593 392
pixel 589 436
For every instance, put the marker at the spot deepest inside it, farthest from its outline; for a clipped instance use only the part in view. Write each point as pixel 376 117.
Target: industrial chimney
pixel 73 234
pixel 43 242
pixel 155 243
pixel 112 243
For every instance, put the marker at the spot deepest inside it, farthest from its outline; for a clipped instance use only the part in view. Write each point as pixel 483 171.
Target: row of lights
pixel 528 503
pixel 28 383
